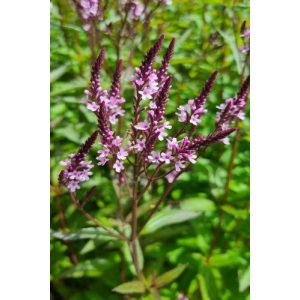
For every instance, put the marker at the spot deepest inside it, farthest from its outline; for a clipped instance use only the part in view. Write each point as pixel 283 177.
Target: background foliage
pixel 205 222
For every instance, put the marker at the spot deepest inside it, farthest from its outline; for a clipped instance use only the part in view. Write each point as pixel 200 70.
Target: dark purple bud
pixel 116 83
pixel 63 177
pixel 243 27
pixel 95 87
pixel 166 61
pixel 151 142
pixel 244 90
pixel 103 124
pixel 151 55
pixel 161 100
pixel 217 136
pixel 86 147
pixel 200 100
pixel 225 113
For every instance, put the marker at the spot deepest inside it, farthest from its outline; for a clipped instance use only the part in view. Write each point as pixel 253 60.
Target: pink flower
pixel 152 105
pixel 113 118
pixel 225 141
pixel 122 154
pixel 139 82
pixel 103 153
pixel 166 157
pixel 73 186
pixel 84 175
pixel 191 104
pixel 172 144
pixel 246 33
pixel 154 157
pixel 182 115
pixel 142 125
pixel 245 48
pixel 195 119
pixel 179 165
pixel 93 106
pixel 104 97
pixel 140 145
pixel 241 115
pixel 171 176
pixel 65 162
pixel 102 160
pixel 191 158
pixel 162 130
pixel 118 166
pixel 146 93
pixel 117 141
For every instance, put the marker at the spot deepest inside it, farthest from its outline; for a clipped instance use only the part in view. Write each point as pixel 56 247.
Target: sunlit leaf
pixel 168 217
pixel 244 279
pixel 83 234
pixel 169 276
pixel 57 73
pixel 132 287
pixel 88 268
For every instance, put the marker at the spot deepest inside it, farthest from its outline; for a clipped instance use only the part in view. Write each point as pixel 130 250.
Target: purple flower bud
pixel 161 75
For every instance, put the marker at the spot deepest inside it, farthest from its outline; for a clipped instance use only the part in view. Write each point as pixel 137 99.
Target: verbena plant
pixel 144 152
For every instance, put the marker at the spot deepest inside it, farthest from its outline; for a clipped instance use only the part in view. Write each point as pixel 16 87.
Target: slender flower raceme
pixel 77 170
pixel 193 111
pixel 233 108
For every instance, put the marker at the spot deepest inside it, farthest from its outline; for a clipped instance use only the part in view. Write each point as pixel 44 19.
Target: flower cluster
pixel 192 112
pixel 89 11
pixel 148 140
pixel 96 95
pixel 77 170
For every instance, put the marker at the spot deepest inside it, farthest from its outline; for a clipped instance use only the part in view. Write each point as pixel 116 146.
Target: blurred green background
pixel 213 236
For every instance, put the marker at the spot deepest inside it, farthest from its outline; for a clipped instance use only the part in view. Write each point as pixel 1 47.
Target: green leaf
pixel 88 268
pixel 198 205
pixel 83 234
pixel 203 288
pixel 168 217
pixel 237 213
pixel 229 39
pixel 169 276
pixel 57 73
pixel 128 257
pixel 132 287
pixel 229 258
pixel 244 279
pixel 68 88
pixel 69 133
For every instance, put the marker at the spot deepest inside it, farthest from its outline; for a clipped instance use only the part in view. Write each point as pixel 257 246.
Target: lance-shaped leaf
pixel 132 287
pixel 167 217
pixel 83 234
pixel 169 276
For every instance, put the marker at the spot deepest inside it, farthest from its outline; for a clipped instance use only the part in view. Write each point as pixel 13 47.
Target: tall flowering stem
pixel 148 153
